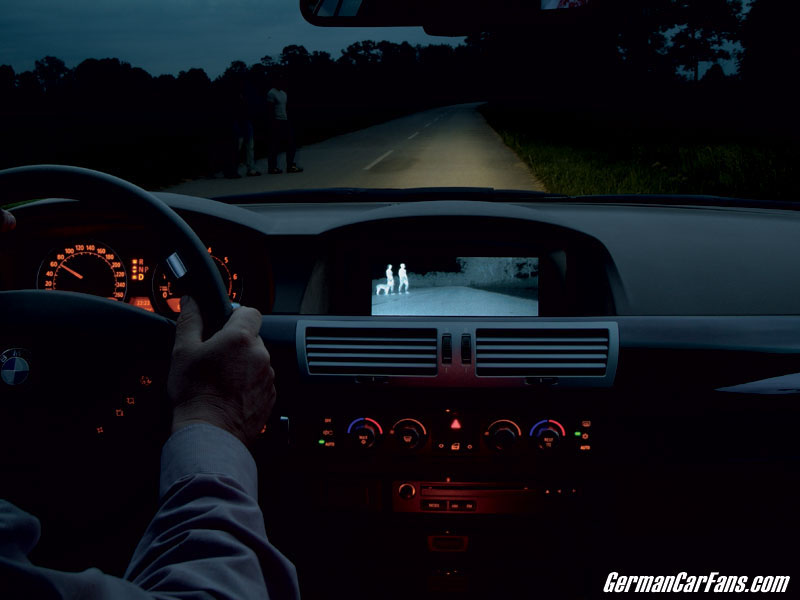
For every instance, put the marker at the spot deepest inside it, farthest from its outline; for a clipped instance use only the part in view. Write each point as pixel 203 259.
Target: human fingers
pixel 244 319
pixel 189 328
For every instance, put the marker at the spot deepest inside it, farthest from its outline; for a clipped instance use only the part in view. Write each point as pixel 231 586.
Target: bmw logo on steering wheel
pixel 15 366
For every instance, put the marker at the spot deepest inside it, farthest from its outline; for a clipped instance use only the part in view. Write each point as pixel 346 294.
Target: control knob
pixel 409 433
pixel 502 434
pixel 547 435
pixel 364 432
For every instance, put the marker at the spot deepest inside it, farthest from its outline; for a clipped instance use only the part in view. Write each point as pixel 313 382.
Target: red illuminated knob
pixel 502 435
pixel 409 433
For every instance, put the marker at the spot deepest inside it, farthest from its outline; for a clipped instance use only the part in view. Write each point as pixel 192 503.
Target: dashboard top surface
pixel 661 260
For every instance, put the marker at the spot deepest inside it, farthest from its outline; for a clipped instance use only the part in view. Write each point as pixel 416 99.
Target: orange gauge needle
pixel 66 268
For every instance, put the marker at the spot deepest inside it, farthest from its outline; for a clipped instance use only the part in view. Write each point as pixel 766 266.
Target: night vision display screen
pixel 474 286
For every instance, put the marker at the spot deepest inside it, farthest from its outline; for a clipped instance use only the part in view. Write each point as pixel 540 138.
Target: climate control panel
pixel 452 433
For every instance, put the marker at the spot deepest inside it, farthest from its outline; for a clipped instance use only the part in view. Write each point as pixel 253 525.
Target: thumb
pixel 190 322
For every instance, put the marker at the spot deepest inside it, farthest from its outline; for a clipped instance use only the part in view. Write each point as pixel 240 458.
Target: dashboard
pixel 641 418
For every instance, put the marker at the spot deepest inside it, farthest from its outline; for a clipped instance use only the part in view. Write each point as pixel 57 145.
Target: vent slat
pixel 336 355
pixel 555 365
pixel 370 348
pixel 541 352
pixel 481 347
pixel 527 339
pixel 340 340
pixel 362 351
pixel 541 356
pixel 326 363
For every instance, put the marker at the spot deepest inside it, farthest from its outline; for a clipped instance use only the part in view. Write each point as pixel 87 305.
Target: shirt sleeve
pixel 207 539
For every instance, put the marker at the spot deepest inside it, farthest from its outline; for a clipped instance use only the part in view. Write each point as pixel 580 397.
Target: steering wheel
pixel 85 404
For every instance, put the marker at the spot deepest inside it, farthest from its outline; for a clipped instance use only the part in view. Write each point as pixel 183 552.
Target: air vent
pixel 542 352
pixel 370 351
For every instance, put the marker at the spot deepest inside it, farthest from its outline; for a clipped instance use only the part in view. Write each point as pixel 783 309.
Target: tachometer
pixel 86 267
pixel 167 292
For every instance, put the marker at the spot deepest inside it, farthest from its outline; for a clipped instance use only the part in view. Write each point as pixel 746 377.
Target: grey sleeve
pixel 208 536
pixel 207 539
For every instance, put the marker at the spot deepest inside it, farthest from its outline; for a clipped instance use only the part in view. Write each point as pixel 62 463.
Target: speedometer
pixel 86 267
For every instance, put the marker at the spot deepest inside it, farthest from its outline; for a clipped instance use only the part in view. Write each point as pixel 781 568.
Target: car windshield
pixel 219 98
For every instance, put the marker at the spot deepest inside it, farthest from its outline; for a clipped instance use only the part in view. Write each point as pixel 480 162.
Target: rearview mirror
pixel 447 17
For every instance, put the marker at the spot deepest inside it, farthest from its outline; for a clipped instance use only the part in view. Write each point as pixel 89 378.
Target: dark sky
pixel 167 36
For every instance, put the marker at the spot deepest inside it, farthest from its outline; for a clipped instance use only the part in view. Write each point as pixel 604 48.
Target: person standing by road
pixel 280 129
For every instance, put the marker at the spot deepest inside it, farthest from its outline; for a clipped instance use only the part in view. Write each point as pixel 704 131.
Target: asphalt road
pixel 453 301
pixel 446 146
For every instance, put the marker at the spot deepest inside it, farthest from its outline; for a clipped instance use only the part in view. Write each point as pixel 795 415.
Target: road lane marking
pixel 413 135
pixel 377 160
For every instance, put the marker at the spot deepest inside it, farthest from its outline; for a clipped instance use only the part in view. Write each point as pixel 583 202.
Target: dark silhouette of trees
pixel 107 114
pixel 629 62
pixel 771 57
pixel 51 73
pixel 705 31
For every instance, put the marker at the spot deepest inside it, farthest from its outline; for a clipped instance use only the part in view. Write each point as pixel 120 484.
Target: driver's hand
pixel 226 380
pixel 7 221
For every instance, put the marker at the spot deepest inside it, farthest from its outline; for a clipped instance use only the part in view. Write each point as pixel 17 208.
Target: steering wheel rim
pixel 190 259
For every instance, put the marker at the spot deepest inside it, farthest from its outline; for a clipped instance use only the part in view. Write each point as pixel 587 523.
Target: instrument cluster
pixel 91 266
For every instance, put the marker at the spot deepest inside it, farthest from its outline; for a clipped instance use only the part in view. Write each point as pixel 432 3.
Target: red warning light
pixel 455 424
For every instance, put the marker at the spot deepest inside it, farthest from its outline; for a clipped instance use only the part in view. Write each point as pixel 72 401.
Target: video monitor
pixel 474 286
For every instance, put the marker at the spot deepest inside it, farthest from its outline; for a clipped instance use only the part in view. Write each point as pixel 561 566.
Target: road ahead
pixel 454 301
pixel 447 146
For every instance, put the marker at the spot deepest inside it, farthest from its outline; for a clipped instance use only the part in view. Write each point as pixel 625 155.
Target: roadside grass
pixel 580 155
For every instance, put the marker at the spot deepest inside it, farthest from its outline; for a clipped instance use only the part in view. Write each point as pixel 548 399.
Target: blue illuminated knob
pixel 547 435
pixel 364 432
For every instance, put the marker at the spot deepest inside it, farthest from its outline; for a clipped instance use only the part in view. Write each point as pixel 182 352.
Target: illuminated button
pixel 585 436
pixel 586 424
pixel 455 446
pixel 585 447
pixel 330 444
pixel 145 380
pixel 470 505
pixel 327 432
pixel 455 424
pixel 130 400
pixel 434 505
pixel 99 430
pixel 119 412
